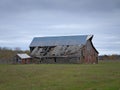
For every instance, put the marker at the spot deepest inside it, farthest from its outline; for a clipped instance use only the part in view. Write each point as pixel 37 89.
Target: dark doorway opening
pixel 55 59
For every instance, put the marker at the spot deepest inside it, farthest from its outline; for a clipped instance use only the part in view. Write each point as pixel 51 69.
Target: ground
pixel 102 76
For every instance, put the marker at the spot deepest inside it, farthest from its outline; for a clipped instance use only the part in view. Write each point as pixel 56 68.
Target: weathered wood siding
pixel 59 60
pixel 91 56
pixel 66 54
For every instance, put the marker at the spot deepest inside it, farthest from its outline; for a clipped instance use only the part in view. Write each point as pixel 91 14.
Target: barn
pixel 23 58
pixel 64 49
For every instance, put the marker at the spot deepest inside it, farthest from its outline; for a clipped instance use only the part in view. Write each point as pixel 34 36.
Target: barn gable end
pixel 63 49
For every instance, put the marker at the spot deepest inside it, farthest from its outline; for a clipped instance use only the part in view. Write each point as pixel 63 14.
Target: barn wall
pixel 60 60
pixel 68 50
pixel 25 61
pixel 91 56
pixel 74 54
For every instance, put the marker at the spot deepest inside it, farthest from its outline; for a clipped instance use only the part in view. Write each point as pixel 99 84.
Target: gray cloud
pixel 63 5
pixel 21 20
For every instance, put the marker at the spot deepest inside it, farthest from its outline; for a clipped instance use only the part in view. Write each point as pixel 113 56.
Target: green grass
pixel 102 76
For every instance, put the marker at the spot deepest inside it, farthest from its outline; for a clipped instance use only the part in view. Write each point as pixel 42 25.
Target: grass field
pixel 102 76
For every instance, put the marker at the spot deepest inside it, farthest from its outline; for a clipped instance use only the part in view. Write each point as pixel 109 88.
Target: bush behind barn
pixel 7 55
pixel 109 57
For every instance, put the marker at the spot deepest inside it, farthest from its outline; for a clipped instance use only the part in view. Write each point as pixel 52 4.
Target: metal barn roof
pixel 23 56
pixel 61 40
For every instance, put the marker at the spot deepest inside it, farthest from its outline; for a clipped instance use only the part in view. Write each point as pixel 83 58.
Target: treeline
pixel 7 55
pixel 109 57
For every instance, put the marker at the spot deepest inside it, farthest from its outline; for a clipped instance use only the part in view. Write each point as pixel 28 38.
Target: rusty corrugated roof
pixel 60 40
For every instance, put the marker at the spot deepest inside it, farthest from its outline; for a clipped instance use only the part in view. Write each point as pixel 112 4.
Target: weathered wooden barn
pixel 23 58
pixel 64 49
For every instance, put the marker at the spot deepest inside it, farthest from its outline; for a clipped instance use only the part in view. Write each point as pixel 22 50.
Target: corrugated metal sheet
pixel 23 56
pixel 62 40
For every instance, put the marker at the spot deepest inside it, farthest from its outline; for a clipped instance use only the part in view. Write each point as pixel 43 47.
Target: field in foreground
pixel 102 76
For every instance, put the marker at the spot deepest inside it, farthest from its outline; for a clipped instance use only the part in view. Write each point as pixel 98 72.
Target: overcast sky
pixel 21 20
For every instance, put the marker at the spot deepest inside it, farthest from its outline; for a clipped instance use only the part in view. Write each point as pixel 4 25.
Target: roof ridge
pixel 62 36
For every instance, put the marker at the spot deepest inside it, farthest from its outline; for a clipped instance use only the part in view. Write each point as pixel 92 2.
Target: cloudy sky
pixel 21 20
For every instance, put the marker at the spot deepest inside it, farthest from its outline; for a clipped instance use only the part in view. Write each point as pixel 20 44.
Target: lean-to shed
pixel 23 58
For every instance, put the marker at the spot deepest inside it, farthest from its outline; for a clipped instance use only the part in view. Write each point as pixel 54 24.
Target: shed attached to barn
pixel 23 58
pixel 64 49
